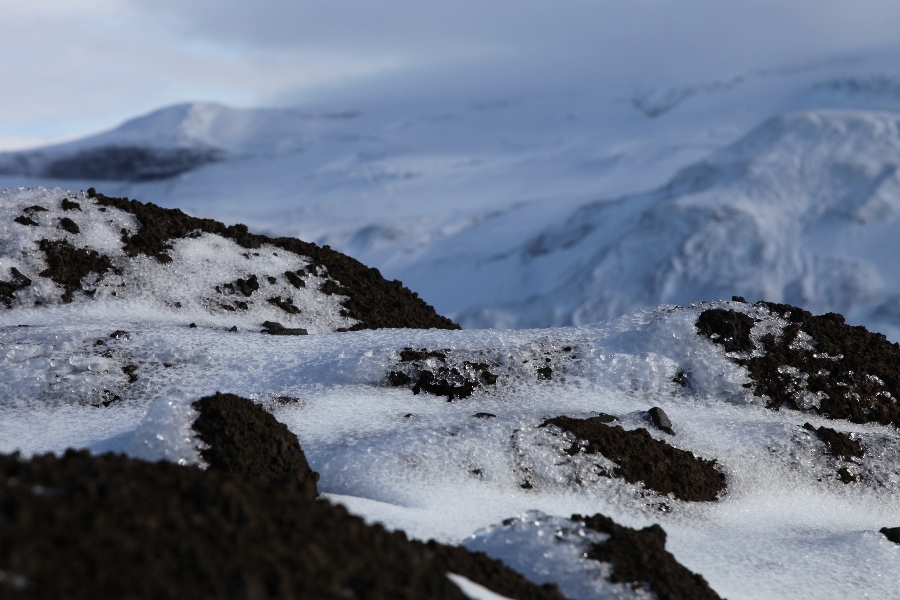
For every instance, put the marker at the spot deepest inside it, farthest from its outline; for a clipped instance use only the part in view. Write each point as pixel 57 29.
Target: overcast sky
pixel 72 68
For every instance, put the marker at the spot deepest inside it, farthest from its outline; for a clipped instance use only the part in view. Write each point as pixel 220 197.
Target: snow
pixel 571 205
pixel 786 526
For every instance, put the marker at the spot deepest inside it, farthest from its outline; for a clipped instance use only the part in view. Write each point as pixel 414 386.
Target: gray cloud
pixel 72 68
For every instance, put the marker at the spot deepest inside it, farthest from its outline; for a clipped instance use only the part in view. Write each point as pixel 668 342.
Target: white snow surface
pixel 568 205
pixel 785 528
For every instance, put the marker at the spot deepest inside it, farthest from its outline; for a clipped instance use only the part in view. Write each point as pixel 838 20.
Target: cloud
pixel 76 67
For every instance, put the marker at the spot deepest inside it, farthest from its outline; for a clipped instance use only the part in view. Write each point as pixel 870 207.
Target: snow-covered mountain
pixel 565 206
pixel 801 210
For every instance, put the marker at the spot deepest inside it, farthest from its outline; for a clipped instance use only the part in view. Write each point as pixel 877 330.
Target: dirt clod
pixel 69 205
pixel 640 555
pixel 24 220
pixel 409 355
pixel 661 420
pixel 287 304
pixel 839 444
pixel 244 439
pixel 641 458
pixel 441 387
pixel 130 370
pixel 247 286
pixel 69 225
pixel 818 363
pixel 295 279
pixel 729 328
pixel 67 265
pixel 9 288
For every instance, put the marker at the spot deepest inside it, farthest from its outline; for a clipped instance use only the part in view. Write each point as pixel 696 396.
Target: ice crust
pixel 553 550
pixel 786 526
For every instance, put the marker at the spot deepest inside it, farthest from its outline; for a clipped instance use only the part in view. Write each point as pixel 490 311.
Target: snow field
pixel 777 532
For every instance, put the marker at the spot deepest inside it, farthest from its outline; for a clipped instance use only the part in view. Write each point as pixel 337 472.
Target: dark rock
pixel 641 458
pixel 441 387
pixel 274 328
pixel 67 265
pixel 639 555
pixel 23 220
pixel 69 205
pixel 287 305
pixel 545 373
pixel 661 420
pixel 8 289
pixel 295 279
pixel 891 533
pixel 193 326
pixel 484 415
pixel 409 355
pixel 839 444
pixel 248 286
pixel 130 371
pixel 69 225
pixel 729 328
pixel 399 378
pixel 130 163
pixel 35 208
pixel 119 334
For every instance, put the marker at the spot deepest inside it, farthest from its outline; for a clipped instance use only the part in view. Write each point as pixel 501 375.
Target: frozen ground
pixel 524 209
pixel 785 527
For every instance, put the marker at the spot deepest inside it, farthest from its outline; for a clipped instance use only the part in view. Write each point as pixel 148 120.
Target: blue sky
pixel 74 68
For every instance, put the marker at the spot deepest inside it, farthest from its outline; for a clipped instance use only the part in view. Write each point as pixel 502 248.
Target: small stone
pixel 661 420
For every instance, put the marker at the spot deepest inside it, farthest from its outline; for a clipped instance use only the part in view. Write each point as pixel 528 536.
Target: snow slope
pixel 802 210
pixel 786 526
pixel 480 202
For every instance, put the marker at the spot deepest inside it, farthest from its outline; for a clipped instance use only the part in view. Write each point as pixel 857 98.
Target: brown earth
pixel 371 299
pixel 68 265
pixel 242 438
pixel 858 371
pixel 641 458
pixel 640 556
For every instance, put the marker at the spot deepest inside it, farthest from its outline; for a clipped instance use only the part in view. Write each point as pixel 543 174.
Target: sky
pixel 76 68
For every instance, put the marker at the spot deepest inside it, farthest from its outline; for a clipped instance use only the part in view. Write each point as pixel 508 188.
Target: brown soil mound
pixel 641 458
pixel 242 438
pixel 371 299
pixel 640 556
pixel 855 372
pixel 113 527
